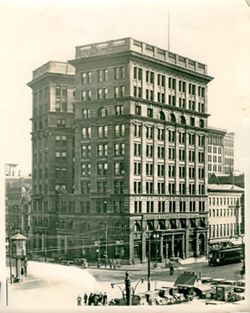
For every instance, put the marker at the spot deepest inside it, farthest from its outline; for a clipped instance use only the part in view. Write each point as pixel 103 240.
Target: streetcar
pixel 227 255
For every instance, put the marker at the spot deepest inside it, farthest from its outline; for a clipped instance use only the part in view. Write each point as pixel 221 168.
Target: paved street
pixel 230 271
pixel 53 285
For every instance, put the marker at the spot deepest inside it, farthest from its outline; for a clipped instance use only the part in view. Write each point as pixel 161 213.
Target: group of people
pixel 97 298
pixel 113 264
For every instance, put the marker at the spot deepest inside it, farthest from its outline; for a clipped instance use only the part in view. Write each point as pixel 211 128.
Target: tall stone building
pixel 52 149
pixel 138 166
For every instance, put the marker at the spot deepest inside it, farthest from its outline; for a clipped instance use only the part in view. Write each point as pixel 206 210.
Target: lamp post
pixel 19 242
pixel 154 235
pixel 126 291
pixel 9 250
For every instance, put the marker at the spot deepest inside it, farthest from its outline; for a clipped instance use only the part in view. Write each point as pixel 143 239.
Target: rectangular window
pixel 86 132
pixel 116 92
pixel 150 112
pixel 119 130
pixel 86 169
pixel 149 132
pixel 138 206
pixel 137 130
pixel 119 168
pixel 161 152
pixel 182 154
pixel 86 113
pixel 149 187
pixel 137 168
pixel 138 109
pixel 149 151
pixel 161 169
pixel 103 131
pixel 161 134
pixel 137 149
pixel 149 169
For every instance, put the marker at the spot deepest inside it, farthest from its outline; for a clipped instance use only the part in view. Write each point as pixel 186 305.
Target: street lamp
pixel 126 291
pixel 9 250
pixel 19 242
pixel 113 285
pixel 154 235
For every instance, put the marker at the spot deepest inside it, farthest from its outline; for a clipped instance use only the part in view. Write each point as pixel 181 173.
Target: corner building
pixel 140 154
pixel 52 153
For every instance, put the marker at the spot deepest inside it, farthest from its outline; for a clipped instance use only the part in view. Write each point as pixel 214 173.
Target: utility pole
pixel 106 243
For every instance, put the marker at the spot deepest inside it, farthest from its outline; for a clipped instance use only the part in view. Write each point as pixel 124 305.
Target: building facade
pixel 220 152
pixel 225 204
pixel 52 149
pixel 139 156
pixel 17 204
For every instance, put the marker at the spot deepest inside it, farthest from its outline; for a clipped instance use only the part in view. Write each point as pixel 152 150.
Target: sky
pixel 215 32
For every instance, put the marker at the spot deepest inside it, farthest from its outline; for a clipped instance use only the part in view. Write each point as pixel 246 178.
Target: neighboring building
pixel 52 148
pixel 229 153
pixel 18 205
pixel 225 217
pixel 220 151
pixel 139 158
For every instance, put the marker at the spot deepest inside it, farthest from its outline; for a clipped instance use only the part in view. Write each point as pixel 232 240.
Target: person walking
pixel 85 298
pixel 79 300
pixel 171 268
pixel 104 299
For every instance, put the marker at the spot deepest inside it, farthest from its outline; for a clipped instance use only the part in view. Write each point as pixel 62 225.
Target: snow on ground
pixel 51 284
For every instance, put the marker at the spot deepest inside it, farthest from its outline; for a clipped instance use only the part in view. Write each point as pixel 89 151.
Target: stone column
pixel 172 245
pixel 143 247
pixel 161 248
pixel 183 246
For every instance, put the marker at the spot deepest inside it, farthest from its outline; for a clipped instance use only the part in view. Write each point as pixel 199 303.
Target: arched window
pixel 162 225
pixel 183 120
pixel 150 225
pixel 172 118
pixel 102 112
pixel 162 116
pixel 137 226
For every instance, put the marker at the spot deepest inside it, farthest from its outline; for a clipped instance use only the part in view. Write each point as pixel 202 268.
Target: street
pixel 53 285
pixel 229 271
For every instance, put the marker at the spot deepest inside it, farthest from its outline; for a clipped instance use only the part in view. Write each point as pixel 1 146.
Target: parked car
pixel 240 286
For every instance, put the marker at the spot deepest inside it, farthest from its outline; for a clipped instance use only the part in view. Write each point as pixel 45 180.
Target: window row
pixel 161 188
pixel 169 206
pixel 102 168
pixel 102 93
pixel 103 75
pixel 223 230
pixel 224 200
pixel 171 170
pixel 172 82
pixel 223 212
pixel 102 131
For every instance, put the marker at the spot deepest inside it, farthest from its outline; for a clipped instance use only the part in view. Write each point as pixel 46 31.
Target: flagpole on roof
pixel 168 30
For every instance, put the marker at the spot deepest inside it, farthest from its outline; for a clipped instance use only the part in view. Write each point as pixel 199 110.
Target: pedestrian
pixel 90 299
pixel 104 299
pixel 171 268
pixel 114 264
pixel 85 298
pixel 22 271
pixel 79 300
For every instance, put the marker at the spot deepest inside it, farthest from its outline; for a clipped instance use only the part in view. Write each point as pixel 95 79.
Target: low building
pixel 18 204
pixel 225 218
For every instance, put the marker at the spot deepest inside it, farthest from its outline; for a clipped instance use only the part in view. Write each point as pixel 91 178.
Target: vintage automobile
pixel 240 286
pixel 226 293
